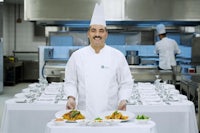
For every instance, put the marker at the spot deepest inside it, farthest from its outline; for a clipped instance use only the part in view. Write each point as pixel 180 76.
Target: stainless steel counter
pixel 190 84
pixel 55 71
pixel 147 73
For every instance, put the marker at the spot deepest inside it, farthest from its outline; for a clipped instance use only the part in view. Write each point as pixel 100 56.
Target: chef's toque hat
pixel 160 29
pixel 98 15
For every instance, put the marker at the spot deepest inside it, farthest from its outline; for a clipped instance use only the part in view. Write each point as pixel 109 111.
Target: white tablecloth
pixel 28 117
pixel 174 118
pixel 125 127
pixel 178 117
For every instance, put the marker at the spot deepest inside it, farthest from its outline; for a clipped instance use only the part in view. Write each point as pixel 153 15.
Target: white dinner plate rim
pixel 20 95
pixel 26 90
pixel 142 121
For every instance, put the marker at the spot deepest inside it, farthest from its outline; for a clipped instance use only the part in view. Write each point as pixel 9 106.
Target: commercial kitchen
pixel 37 37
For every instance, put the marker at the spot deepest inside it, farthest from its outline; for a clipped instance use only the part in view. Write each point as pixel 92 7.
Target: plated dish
pixel 70 115
pixel 118 115
pixel 142 119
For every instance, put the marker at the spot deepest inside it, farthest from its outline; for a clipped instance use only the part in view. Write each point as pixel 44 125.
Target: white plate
pixel 142 121
pixel 26 90
pixel 125 113
pixel 33 85
pixel 20 100
pixel 59 114
pixel 59 123
pixel 20 95
pixel 182 97
pixel 98 123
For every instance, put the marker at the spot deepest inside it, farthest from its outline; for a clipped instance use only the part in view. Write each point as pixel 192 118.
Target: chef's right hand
pixel 71 103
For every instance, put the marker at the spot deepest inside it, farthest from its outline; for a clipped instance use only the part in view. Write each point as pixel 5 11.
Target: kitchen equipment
pixel 132 52
pixel 176 74
pixel 1 66
pixel 1 48
pixel 176 69
pixel 133 60
pixel 71 51
pixel 195 51
pixel 132 57
pixel 197 69
pixel 191 70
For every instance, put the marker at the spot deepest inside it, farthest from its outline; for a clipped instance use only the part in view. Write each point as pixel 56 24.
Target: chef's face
pixel 97 35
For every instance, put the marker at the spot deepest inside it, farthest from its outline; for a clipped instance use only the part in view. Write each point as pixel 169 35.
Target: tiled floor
pixel 9 92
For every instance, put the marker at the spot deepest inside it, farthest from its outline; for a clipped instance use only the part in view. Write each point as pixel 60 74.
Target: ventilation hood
pixel 117 12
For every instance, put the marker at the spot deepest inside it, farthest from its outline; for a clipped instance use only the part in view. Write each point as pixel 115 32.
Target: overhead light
pixel 1 0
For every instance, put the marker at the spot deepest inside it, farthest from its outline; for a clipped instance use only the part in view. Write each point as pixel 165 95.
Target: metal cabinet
pixel 13 72
pixel 184 89
pixel 30 70
pixel 189 86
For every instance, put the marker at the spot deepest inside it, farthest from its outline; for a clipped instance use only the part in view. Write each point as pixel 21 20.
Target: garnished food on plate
pixel 117 115
pixel 73 115
pixel 142 117
pixel 98 119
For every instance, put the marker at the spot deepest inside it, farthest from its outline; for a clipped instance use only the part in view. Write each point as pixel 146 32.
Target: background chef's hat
pixel 98 15
pixel 160 29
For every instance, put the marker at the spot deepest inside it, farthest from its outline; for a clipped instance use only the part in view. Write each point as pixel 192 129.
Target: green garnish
pixel 142 117
pixel 116 112
pixel 74 113
pixel 98 118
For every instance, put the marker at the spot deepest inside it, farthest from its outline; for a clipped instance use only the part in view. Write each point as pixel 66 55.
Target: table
pixel 30 110
pixel 126 127
pixel 28 117
pixel 171 110
pixel 174 118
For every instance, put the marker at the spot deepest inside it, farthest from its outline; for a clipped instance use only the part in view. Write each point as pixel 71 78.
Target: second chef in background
pixel 97 77
pixel 166 48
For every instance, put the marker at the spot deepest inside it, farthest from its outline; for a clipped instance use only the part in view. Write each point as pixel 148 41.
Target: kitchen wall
pixel 21 37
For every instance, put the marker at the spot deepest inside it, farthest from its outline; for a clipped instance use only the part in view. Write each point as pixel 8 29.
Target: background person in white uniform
pixel 166 48
pixel 97 77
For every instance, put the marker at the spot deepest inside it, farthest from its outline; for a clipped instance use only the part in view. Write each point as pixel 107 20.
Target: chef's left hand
pixel 122 105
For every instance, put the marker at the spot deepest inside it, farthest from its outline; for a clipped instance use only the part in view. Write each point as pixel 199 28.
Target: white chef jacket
pixel 167 48
pixel 98 81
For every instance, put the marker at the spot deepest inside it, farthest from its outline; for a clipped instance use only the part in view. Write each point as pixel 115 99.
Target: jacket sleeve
pixel 176 49
pixel 70 84
pixel 125 80
pixel 156 51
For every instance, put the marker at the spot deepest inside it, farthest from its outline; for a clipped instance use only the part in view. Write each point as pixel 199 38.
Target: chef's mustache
pixel 97 37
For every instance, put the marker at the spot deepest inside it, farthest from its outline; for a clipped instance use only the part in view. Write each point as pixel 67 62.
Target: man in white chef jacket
pixel 166 48
pixel 97 77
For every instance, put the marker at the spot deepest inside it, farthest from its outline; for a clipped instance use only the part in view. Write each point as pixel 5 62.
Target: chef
pixel 97 77
pixel 166 48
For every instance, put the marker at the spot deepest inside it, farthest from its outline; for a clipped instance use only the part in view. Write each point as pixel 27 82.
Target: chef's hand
pixel 122 105
pixel 71 103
